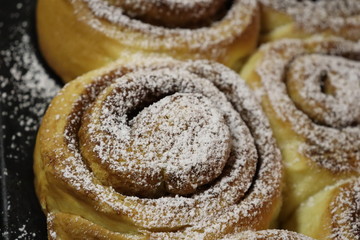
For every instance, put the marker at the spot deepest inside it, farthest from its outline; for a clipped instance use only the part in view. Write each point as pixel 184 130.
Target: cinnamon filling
pixel 174 13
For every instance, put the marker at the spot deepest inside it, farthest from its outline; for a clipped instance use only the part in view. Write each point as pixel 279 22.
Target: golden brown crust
pixel 246 194
pixel 170 13
pixel 97 33
pixel 61 226
pixel 344 210
pixel 310 92
pixel 299 19
pixel 336 209
pixel 267 235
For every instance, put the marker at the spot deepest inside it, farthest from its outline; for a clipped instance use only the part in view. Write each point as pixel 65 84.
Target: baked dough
pixel 76 36
pixel 157 148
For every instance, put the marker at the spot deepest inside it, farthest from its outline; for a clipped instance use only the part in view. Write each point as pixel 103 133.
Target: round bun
pixel 157 148
pixel 77 36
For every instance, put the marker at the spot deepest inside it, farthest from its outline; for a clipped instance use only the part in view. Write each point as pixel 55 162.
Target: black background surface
pixel 21 215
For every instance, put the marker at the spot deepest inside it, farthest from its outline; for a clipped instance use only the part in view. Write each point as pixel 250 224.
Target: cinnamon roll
pixel 267 235
pixel 310 90
pixel 333 213
pixel 299 19
pixel 157 149
pixel 77 36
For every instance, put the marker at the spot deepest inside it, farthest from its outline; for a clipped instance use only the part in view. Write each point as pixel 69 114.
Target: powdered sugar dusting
pixel 50 219
pixel 174 133
pixel 345 212
pixel 327 88
pixel 315 16
pixel 206 40
pixel 173 13
pixel 25 91
pixel 229 114
pixel 28 81
pixel 332 140
pixel 267 234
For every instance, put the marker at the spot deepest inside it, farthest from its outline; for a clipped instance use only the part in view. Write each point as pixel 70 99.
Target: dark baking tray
pixel 26 87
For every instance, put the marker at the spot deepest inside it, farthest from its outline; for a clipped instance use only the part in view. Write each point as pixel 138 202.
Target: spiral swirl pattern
pixel 340 17
pixel 310 92
pixel 101 31
pixel 315 86
pixel 206 28
pixel 170 13
pixel 173 141
pixel 170 150
pixel 326 89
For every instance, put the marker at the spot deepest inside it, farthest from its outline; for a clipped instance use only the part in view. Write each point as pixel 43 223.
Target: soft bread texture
pixel 300 19
pixel 77 36
pixel 267 235
pixel 309 90
pixel 76 194
pixel 333 213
